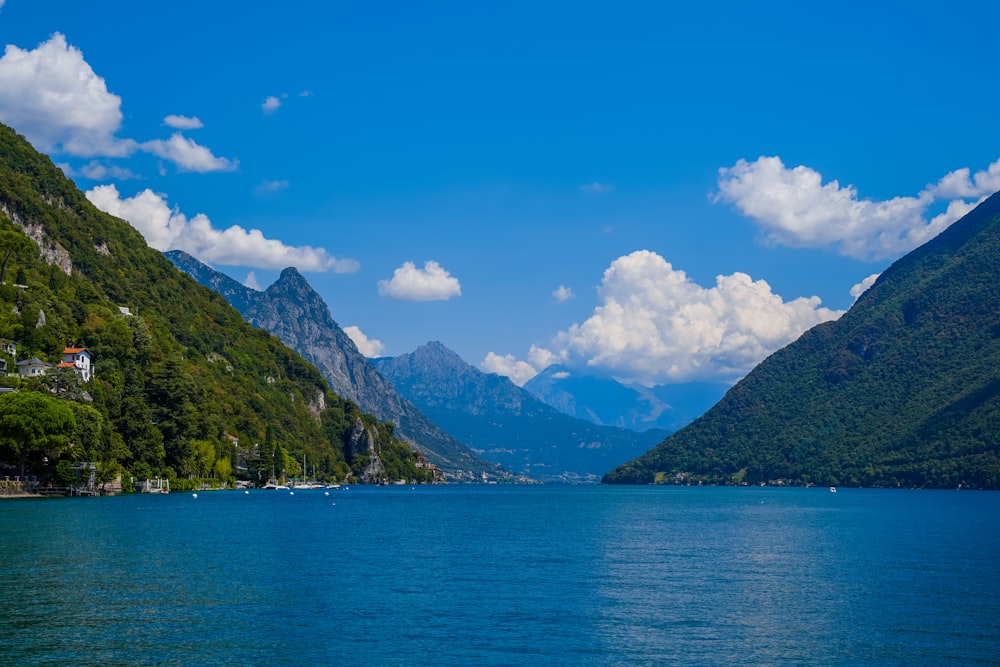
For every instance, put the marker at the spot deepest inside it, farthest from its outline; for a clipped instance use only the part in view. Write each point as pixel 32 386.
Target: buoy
pixel 326 493
pixel 194 495
pixel 291 493
pixel 246 493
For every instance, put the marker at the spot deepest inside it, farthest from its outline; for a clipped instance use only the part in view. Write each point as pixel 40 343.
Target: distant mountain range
pixel 293 311
pixel 507 424
pixel 902 390
pixel 603 400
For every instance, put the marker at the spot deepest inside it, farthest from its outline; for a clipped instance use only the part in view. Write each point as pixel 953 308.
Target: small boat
pixel 833 489
pixel 274 486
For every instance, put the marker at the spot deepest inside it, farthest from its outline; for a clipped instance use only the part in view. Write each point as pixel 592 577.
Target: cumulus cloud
pixel 183 122
pixel 54 98
pixel 563 293
pixel 795 208
pixel 251 281
pixel 655 325
pixel 187 154
pixel 863 286
pixel 270 104
pixel 962 184
pixel 518 371
pixel 431 283
pixel 369 347
pixel 166 228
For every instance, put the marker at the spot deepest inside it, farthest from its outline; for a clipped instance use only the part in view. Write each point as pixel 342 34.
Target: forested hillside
pixel 175 373
pixel 903 390
pixel 294 312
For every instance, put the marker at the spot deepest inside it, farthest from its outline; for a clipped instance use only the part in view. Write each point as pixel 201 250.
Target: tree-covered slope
pixel 176 372
pixel 904 389
pixel 294 312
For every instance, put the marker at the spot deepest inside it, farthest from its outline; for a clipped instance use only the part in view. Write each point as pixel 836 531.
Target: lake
pixel 503 575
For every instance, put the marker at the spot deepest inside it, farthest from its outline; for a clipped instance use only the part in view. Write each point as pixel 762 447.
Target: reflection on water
pixel 504 576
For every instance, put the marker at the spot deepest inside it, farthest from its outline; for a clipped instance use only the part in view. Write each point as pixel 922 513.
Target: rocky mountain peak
pixel 294 312
pixel 291 279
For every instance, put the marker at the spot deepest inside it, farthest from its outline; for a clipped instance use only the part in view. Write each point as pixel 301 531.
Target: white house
pixel 32 367
pixel 80 360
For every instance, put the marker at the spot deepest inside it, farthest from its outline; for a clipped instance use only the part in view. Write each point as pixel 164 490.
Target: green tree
pixel 204 457
pixel 224 469
pixel 13 245
pixel 89 436
pixel 32 422
pixel 64 382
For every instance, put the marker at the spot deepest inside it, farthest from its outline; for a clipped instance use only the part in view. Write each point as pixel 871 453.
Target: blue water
pixel 503 576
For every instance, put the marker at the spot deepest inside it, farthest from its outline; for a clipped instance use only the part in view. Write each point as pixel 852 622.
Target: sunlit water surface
pixel 503 576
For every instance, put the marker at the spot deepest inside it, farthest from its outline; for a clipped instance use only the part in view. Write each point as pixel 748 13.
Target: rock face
pixel 293 311
pixel 362 443
pixel 507 424
pixel 52 252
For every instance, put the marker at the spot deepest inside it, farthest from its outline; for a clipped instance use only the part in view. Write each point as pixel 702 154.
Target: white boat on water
pixel 274 486
pixel 833 489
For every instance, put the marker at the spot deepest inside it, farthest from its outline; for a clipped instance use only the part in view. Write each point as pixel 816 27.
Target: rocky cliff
pixel 294 312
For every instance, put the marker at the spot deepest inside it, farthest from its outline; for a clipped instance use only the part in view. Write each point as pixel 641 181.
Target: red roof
pixel 73 350
pixel 66 364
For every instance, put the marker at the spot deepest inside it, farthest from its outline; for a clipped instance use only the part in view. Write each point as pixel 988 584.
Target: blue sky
pixel 656 191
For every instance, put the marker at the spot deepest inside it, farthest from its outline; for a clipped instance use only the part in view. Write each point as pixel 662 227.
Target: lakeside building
pixel 80 360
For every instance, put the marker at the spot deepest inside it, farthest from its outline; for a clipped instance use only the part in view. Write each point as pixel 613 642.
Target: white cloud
pixel 183 122
pixel 270 187
pixel 432 283
pixel 53 97
pixel 99 171
pixel 270 104
pixel 596 188
pixel 656 325
pixel 959 184
pixel 863 286
pixel 166 228
pixel 251 281
pixel 563 293
pixel 369 347
pixel 187 154
pixel 795 208
pixel 519 372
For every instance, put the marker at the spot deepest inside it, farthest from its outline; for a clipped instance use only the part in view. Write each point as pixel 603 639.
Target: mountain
pixel 182 387
pixel 902 390
pixel 294 312
pixel 507 424
pixel 604 400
